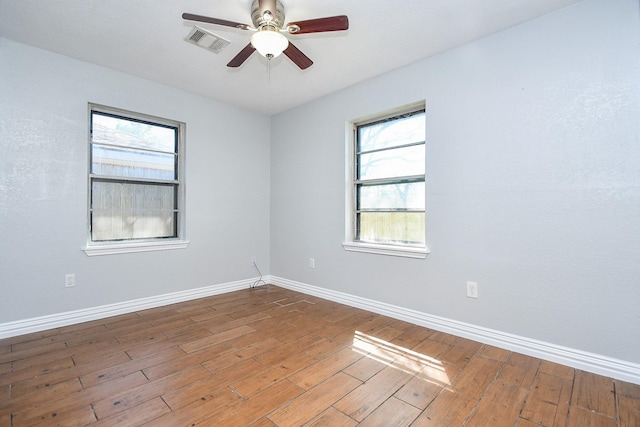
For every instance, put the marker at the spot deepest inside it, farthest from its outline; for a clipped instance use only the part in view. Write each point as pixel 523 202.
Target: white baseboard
pixel 602 365
pixel 36 324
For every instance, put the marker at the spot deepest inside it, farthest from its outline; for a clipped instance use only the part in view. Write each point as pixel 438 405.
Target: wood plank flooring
pixel 273 357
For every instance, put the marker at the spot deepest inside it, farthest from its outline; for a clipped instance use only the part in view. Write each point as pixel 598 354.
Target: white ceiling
pixel 146 38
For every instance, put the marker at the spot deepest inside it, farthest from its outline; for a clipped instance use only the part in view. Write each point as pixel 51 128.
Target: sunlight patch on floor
pixel 423 366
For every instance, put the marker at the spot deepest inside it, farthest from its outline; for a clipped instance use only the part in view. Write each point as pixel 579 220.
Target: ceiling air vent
pixel 207 40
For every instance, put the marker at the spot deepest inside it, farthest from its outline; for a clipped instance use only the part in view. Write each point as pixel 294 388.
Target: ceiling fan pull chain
pixel 269 69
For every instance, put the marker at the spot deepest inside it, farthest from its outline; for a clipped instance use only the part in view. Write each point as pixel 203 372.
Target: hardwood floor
pixel 274 357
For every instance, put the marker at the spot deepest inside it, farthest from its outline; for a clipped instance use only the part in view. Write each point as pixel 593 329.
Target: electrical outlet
pixel 69 280
pixel 312 263
pixel 472 289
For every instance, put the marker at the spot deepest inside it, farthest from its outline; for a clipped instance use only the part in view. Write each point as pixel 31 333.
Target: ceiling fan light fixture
pixel 269 42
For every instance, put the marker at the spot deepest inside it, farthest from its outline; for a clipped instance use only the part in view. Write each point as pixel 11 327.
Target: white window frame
pixel 139 245
pixel 350 243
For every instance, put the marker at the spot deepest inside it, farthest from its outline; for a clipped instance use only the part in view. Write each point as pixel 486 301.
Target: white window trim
pixel 419 252
pixel 126 248
pixel 349 244
pixel 111 248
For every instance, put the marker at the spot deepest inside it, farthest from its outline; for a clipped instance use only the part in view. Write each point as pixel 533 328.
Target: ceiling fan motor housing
pixel 274 10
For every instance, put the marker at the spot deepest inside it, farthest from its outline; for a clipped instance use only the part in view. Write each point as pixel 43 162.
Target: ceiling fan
pixel 268 27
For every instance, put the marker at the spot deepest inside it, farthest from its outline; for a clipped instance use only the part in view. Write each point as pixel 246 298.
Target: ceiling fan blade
pixel 242 56
pixel 210 20
pixel 298 58
pixel 319 25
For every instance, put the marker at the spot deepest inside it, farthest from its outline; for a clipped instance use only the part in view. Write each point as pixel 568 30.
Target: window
pixel 387 185
pixel 136 189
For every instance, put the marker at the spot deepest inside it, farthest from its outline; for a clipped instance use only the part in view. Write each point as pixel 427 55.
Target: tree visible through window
pixel 389 181
pixel 135 169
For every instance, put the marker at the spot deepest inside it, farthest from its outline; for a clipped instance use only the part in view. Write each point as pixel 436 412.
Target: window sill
pixel 401 251
pixel 125 248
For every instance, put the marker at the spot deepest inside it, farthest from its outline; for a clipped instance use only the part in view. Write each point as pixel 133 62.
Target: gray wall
pixel 43 188
pixel 533 183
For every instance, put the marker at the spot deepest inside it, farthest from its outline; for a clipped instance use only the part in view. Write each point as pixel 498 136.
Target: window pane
pixel 132 134
pixel 391 227
pixel 405 161
pixel 132 211
pixel 111 161
pixel 392 133
pixel 392 196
